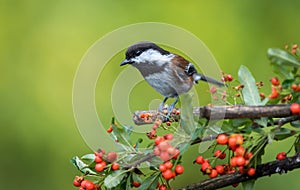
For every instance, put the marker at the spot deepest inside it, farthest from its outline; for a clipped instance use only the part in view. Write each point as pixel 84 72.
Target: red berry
pixel 162 167
pixel 233 161
pixel 294 87
pixel 98 159
pixel 110 129
pixel 205 166
pixel 162 187
pixel 168 136
pixel 222 139
pixel 295 108
pixel 136 184
pixel 111 156
pixel 172 151
pixel 76 183
pixel 199 160
pixel 251 172
pixel 156 151
pixel 219 154
pixel 240 161
pixel 163 146
pixel 99 167
pixel 168 174
pixel 239 139
pixel 274 93
pixel 229 77
pixel 89 185
pixel 220 169
pixel 281 156
pixel 213 90
pixel 168 164
pixel 115 166
pixel 240 151
pixel 213 173
pixel 158 140
pixel 177 153
pixel 248 155
pixel 275 81
pixel 179 169
pixel 232 143
pixel 165 156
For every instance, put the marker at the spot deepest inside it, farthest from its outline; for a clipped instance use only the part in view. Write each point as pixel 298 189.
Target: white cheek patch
pixel 153 57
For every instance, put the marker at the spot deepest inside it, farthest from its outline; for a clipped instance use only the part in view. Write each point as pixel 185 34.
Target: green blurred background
pixel 42 43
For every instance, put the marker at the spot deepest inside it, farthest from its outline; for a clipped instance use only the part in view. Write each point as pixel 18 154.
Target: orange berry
pixel 199 160
pixel 213 173
pixel 179 169
pixel 295 108
pixel 222 139
pixel 251 172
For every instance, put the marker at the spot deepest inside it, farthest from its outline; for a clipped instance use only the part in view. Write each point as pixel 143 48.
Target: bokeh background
pixel 42 43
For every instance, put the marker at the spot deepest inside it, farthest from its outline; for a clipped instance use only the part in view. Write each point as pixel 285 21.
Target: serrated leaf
pixel 150 183
pixel 186 115
pixel 282 57
pixel 250 91
pixel 81 166
pixel 114 179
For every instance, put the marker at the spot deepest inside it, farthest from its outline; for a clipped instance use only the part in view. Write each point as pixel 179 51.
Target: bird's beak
pixel 125 62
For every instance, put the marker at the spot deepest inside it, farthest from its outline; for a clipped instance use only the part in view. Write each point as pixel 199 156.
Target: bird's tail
pixel 198 77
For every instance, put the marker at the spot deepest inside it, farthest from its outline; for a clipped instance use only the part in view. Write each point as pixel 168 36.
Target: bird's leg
pixel 160 108
pixel 172 106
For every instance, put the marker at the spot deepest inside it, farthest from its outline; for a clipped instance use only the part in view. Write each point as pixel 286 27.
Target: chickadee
pixel 168 73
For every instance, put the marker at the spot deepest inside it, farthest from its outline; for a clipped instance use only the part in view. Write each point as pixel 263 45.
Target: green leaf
pixel 123 135
pixel 283 71
pixel 114 179
pixel 250 91
pixel 150 183
pixel 282 57
pixel 248 185
pixel 187 116
pixel 283 133
pixel 297 144
pixel 240 122
pixel 295 124
pixel 81 166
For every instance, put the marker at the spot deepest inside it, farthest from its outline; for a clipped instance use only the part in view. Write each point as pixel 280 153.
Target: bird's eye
pixel 138 52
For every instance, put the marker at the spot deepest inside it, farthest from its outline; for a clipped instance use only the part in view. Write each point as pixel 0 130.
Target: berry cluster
pixel 293 48
pixel 164 149
pixel 167 172
pixel 84 184
pixel 226 77
pixel 276 88
pixel 239 160
pixel 101 161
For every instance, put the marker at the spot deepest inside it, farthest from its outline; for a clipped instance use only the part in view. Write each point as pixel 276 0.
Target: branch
pixel 219 112
pixel 267 169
